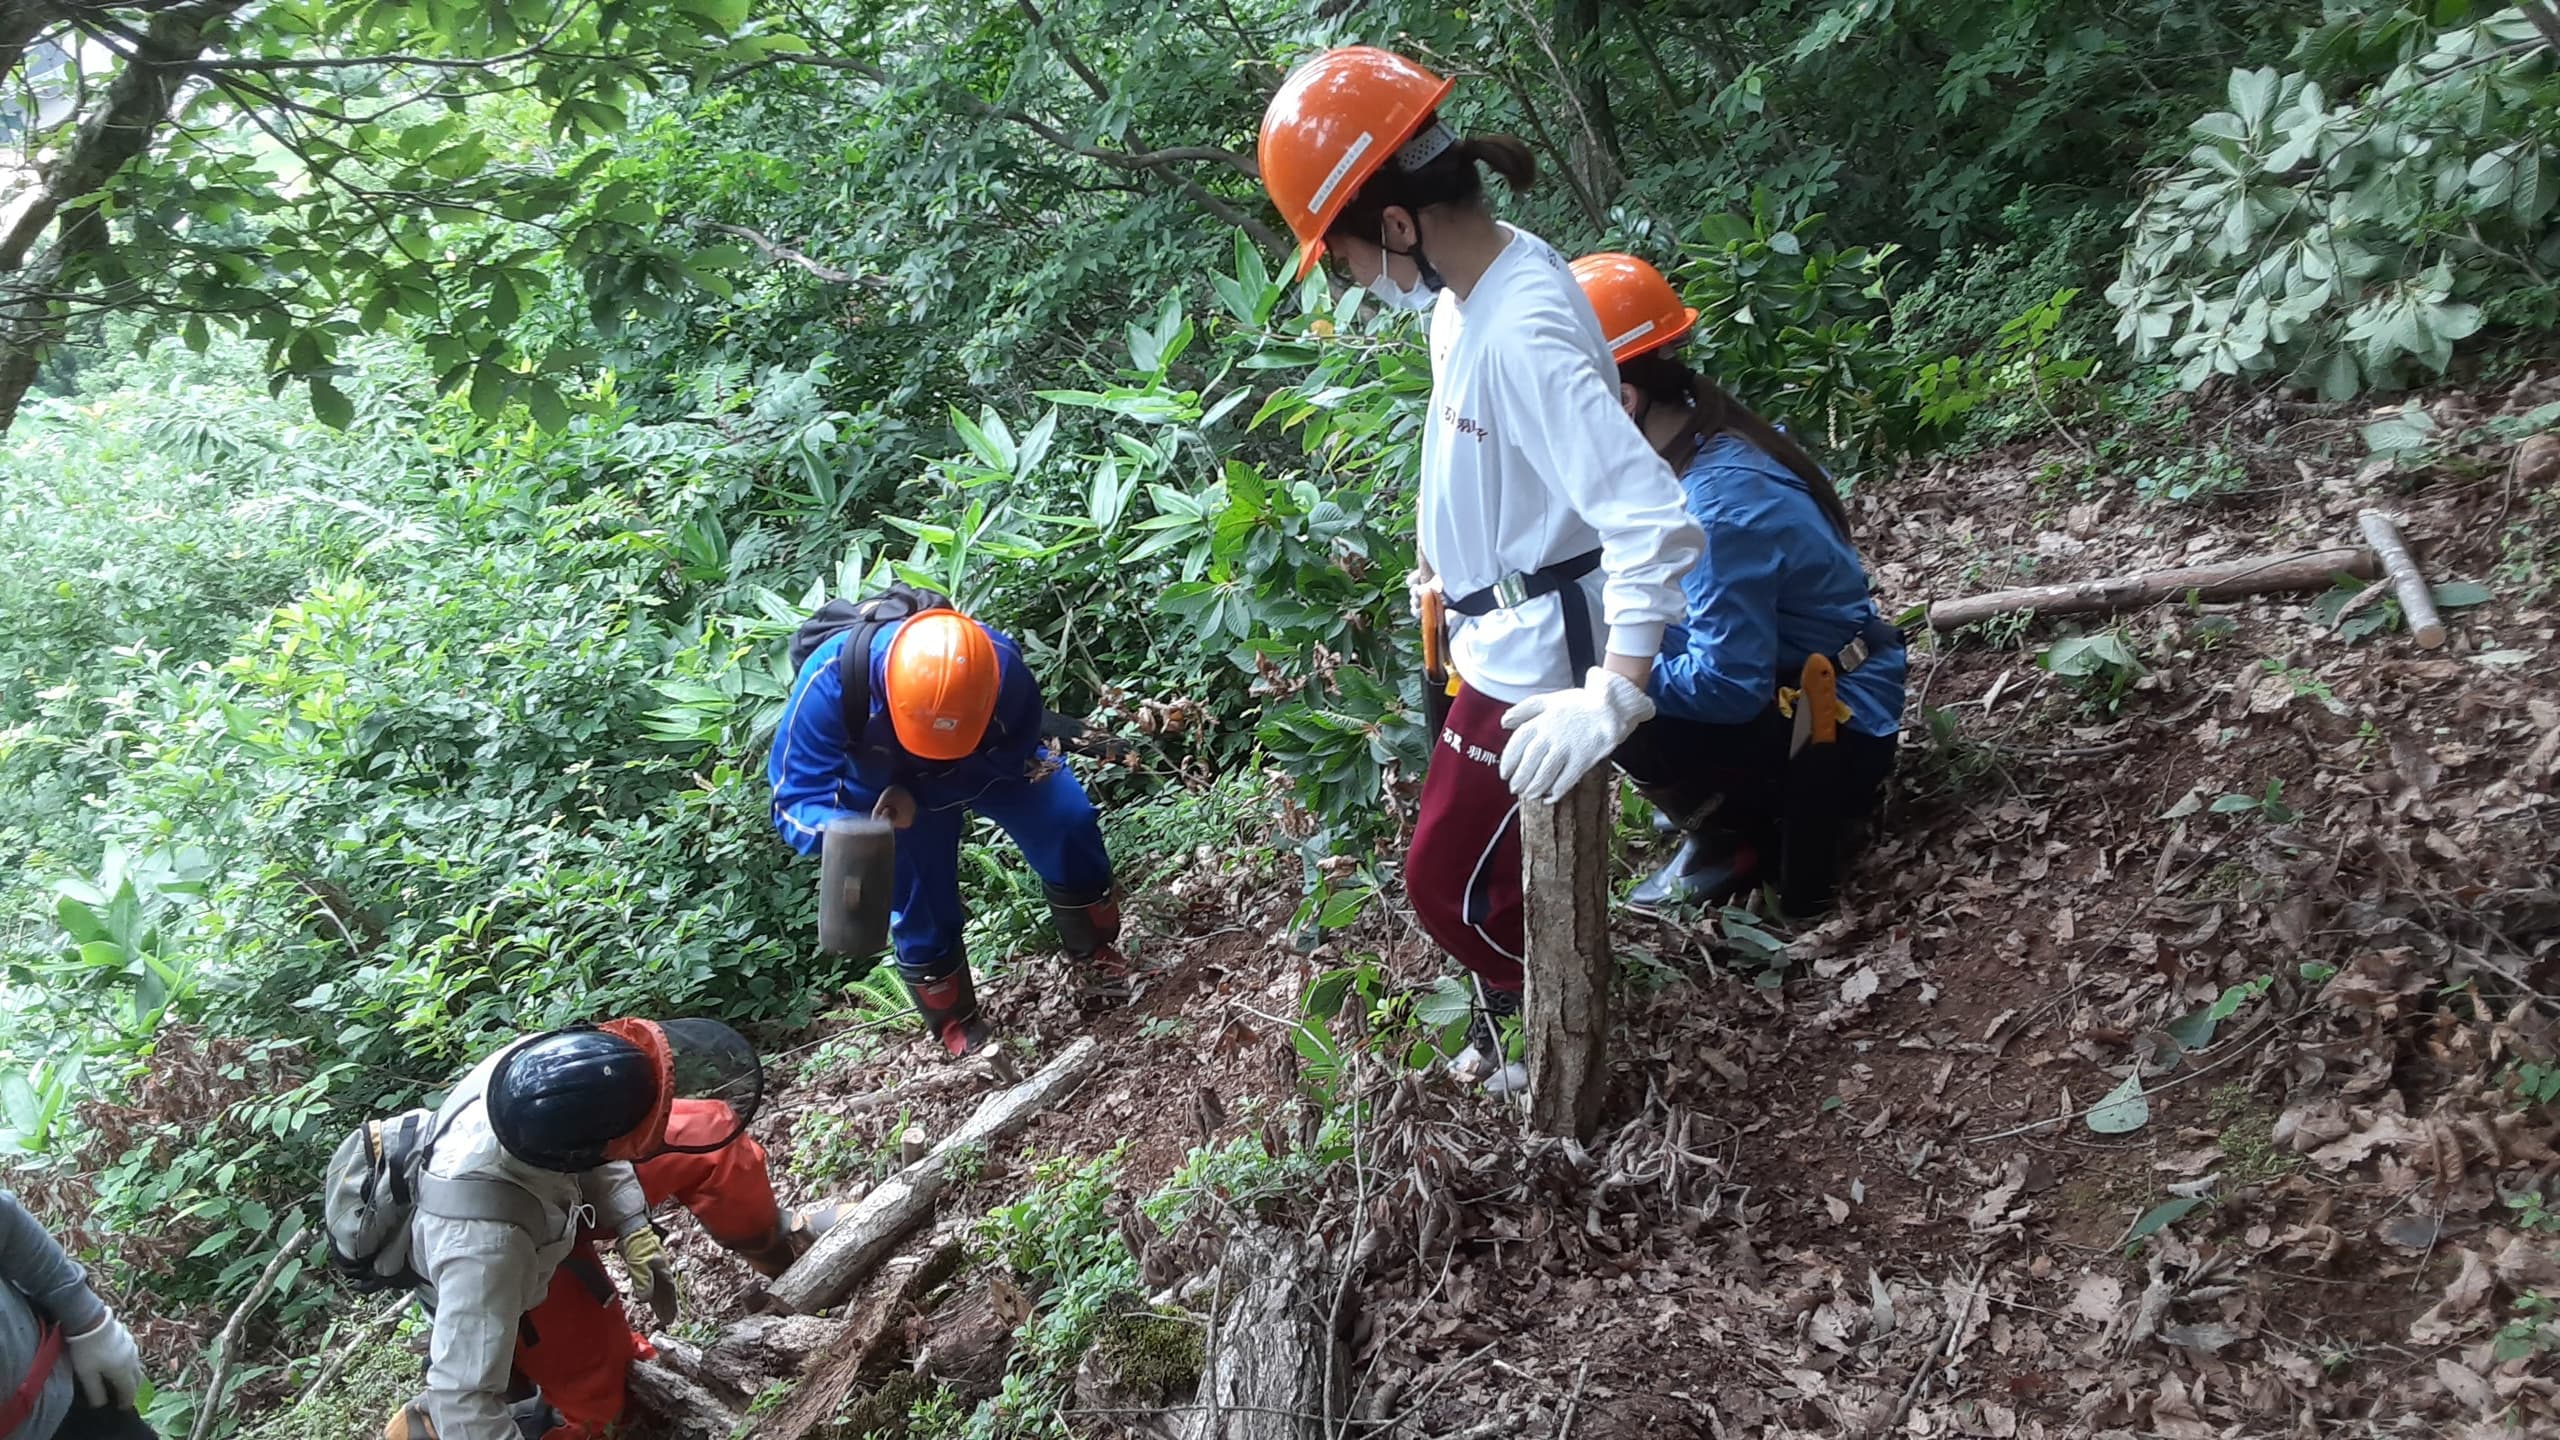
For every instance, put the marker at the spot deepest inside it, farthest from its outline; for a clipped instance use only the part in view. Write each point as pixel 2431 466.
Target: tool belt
pixel 1561 580
pixel 30 1392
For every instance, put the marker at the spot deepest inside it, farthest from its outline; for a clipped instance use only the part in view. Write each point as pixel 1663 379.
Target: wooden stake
pixel 2417 602
pixel 864 1236
pixel 2226 580
pixel 911 1147
pixel 1564 857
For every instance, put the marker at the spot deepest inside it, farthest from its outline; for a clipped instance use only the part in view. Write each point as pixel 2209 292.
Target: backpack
pixel 377 1180
pixel 865 619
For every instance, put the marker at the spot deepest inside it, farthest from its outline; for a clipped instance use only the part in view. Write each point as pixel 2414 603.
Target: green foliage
pixel 2102 667
pixel 1059 1241
pixel 2351 244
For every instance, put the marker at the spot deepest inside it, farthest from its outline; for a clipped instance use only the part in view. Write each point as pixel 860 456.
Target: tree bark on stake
pixel 2224 580
pixel 2417 602
pixel 1564 861
pixel 688 1410
pixel 864 1236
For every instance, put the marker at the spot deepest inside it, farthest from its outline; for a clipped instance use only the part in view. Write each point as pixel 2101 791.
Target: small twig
pixel 1572 1402
pixel 1945 1349
pixel 230 1336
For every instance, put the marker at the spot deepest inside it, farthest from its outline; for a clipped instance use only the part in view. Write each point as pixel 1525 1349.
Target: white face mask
pixel 1396 295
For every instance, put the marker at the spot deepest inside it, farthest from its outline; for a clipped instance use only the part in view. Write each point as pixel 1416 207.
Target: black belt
pixel 1560 579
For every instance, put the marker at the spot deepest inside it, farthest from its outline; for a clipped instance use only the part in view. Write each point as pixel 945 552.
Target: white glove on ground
pixel 1418 582
pixel 106 1364
pixel 1565 734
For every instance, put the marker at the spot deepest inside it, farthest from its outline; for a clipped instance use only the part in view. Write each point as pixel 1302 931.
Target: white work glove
pixel 1565 734
pixel 106 1364
pixel 1418 582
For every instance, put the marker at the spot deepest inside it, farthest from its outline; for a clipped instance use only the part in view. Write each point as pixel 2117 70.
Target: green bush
pixel 2351 244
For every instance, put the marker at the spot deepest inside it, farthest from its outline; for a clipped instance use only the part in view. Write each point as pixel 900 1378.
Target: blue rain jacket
pixel 1776 585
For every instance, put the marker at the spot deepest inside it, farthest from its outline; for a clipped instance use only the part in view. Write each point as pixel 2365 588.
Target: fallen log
pixel 863 1346
pixel 2417 602
pixel 864 1236
pixel 685 1408
pixel 2223 580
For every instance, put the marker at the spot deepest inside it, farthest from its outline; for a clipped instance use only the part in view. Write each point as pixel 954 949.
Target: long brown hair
pixel 1666 379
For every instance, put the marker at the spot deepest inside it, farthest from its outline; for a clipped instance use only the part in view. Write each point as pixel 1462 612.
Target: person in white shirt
pixel 1556 535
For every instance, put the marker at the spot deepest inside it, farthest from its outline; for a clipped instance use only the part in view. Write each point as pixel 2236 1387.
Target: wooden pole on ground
pixel 1564 861
pixel 864 1236
pixel 2417 602
pixel 2226 580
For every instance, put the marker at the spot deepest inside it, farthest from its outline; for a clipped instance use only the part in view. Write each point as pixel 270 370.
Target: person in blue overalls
pixel 949 724
pixel 1780 581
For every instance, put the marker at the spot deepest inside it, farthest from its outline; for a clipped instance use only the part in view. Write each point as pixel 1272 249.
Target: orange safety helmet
pixel 1638 309
pixel 1336 119
pixel 942 683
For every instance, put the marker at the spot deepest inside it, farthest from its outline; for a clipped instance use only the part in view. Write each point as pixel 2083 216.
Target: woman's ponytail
pixel 1665 379
pixel 1504 156
pixel 1711 402
pixel 1451 177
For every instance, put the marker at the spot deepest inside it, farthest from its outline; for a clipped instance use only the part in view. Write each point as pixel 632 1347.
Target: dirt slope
pixel 1865 1197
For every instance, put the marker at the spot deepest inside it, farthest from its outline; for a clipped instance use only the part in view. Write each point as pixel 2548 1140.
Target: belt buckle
pixel 1511 591
pixel 1853 654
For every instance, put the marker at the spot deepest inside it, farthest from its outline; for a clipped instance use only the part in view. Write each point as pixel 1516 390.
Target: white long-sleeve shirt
pixel 1529 460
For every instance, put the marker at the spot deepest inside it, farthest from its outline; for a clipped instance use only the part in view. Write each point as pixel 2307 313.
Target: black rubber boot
pixel 949 1009
pixel 1088 928
pixel 1712 866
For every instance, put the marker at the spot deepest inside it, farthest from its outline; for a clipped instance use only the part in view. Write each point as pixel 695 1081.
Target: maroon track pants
pixel 1463 873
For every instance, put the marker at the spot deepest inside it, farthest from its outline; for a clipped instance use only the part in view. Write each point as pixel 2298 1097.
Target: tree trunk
pixel 685 1408
pixel 1273 1370
pixel 1596 150
pixel 2227 580
pixel 866 1233
pixel 1564 866
pixel 136 105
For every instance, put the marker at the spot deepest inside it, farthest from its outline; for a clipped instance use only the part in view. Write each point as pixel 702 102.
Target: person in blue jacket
pixel 1780 581
pixel 946 722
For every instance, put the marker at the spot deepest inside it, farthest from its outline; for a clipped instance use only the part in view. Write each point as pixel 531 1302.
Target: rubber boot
pixel 1089 929
pixel 1486 1060
pixel 949 1008
pixel 1712 865
pixel 792 1236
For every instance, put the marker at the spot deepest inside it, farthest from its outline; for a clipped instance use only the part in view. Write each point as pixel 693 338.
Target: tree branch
pixel 2544 18
pixel 108 140
pixel 1156 162
pixel 786 255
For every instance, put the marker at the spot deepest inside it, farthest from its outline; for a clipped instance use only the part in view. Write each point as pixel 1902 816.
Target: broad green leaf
pixel 330 405
pixel 2163 1215
pixel 2124 1110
